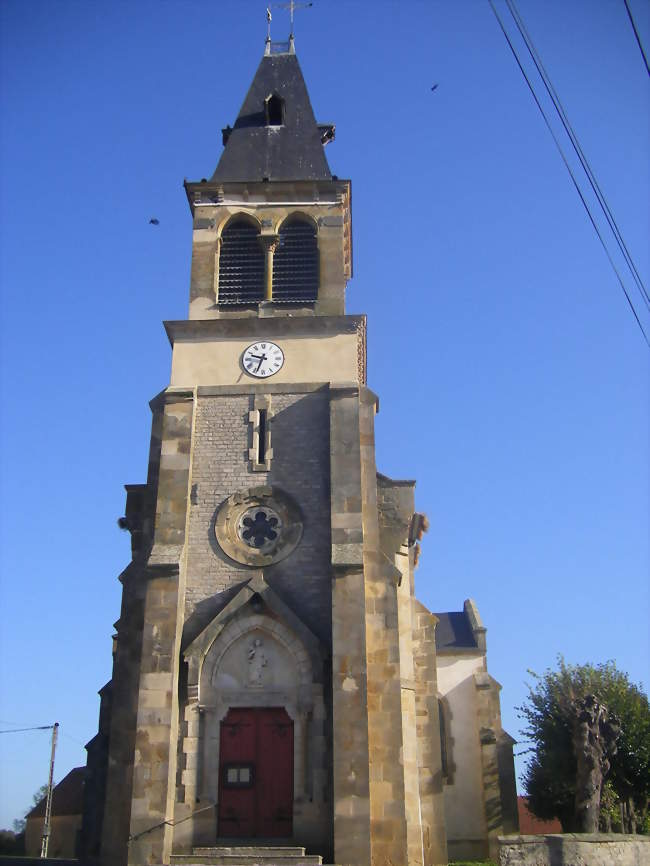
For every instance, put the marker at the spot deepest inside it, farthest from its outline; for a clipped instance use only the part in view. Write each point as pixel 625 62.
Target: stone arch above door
pixel 256 605
pixel 255 653
pixel 255 659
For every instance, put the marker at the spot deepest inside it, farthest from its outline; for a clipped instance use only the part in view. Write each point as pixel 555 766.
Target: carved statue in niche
pixel 594 740
pixel 257 661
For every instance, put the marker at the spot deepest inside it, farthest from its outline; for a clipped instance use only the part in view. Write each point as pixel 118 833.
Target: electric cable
pixel 569 169
pixel 559 108
pixel 638 38
pixel 20 730
pixel 74 740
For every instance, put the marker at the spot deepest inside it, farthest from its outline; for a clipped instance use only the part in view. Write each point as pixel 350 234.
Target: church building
pixel 278 694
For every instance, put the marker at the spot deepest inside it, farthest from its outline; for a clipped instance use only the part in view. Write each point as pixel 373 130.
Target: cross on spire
pixel 291 6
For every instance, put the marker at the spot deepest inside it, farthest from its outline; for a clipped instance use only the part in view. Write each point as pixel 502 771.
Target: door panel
pixel 236 801
pixel 256 773
pixel 276 773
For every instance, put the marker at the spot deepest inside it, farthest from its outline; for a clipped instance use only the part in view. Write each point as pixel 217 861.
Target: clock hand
pixel 259 364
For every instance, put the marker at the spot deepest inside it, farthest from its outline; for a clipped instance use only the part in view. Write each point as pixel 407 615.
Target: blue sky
pixel 512 377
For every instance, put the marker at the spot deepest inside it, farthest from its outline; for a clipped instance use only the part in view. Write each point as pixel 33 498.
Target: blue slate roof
pixel 454 631
pixel 255 150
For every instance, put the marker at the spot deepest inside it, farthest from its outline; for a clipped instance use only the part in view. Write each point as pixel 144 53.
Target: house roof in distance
pixel 67 797
pixel 454 631
pixel 529 824
pixel 461 631
pixel 255 149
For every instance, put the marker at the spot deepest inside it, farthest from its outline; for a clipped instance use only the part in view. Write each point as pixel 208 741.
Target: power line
pixel 638 38
pixel 74 740
pixel 568 167
pixel 38 728
pixel 557 104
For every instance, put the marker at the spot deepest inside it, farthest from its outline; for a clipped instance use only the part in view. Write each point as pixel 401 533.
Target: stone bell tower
pixel 274 677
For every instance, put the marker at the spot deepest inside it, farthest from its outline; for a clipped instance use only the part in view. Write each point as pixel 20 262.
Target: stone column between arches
pixel 255 661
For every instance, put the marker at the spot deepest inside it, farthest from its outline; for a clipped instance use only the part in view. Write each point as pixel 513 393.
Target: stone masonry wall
pixel 388 819
pixel 300 467
pixel 154 768
pixel 349 693
pixel 434 837
pixel 574 849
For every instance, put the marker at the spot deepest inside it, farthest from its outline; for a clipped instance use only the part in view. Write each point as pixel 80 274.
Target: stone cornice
pixel 285 326
pixel 266 388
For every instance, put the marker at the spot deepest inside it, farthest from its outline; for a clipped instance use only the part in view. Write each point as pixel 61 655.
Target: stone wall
pixel 300 467
pixel 463 790
pixel 434 834
pixel 350 763
pixel 63 836
pixel 574 849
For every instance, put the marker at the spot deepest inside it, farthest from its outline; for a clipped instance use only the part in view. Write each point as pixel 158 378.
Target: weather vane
pixel 291 6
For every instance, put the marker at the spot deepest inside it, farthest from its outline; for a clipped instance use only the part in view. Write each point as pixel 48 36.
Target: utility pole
pixel 48 804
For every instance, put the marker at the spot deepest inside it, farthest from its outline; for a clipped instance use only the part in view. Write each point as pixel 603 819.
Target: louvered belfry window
pixel 295 262
pixel 241 264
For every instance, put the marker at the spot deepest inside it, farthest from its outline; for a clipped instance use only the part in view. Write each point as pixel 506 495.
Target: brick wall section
pixel 300 467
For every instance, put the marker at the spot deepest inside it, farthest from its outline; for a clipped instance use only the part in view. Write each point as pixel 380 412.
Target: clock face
pixel 262 359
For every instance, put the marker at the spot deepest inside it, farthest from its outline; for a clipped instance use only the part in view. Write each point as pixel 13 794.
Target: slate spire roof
pixel 259 147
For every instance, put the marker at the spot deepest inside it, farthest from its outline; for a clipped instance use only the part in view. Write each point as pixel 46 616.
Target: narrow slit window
pixel 274 110
pixel 260 416
pixel 443 740
pixel 446 742
pixel 261 437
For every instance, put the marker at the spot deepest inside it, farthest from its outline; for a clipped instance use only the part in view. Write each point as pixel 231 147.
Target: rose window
pixel 260 528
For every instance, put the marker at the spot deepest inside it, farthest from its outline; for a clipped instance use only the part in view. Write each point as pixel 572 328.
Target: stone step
pixel 245 860
pixel 247 855
pixel 215 851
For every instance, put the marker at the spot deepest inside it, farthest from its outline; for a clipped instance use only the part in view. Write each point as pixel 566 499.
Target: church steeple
pixel 274 676
pixel 275 136
pixel 272 226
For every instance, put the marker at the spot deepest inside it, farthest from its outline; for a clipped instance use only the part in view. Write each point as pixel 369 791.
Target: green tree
pixel 39 795
pixel 551 773
pixel 12 842
pixel 19 823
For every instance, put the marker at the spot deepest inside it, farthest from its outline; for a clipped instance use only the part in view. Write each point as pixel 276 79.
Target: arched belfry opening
pixel 295 263
pixel 241 263
pixel 274 110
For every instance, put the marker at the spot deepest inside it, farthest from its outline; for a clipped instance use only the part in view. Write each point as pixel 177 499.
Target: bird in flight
pixel 435 87
pixel 154 222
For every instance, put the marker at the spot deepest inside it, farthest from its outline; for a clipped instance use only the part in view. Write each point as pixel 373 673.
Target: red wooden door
pixel 256 773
